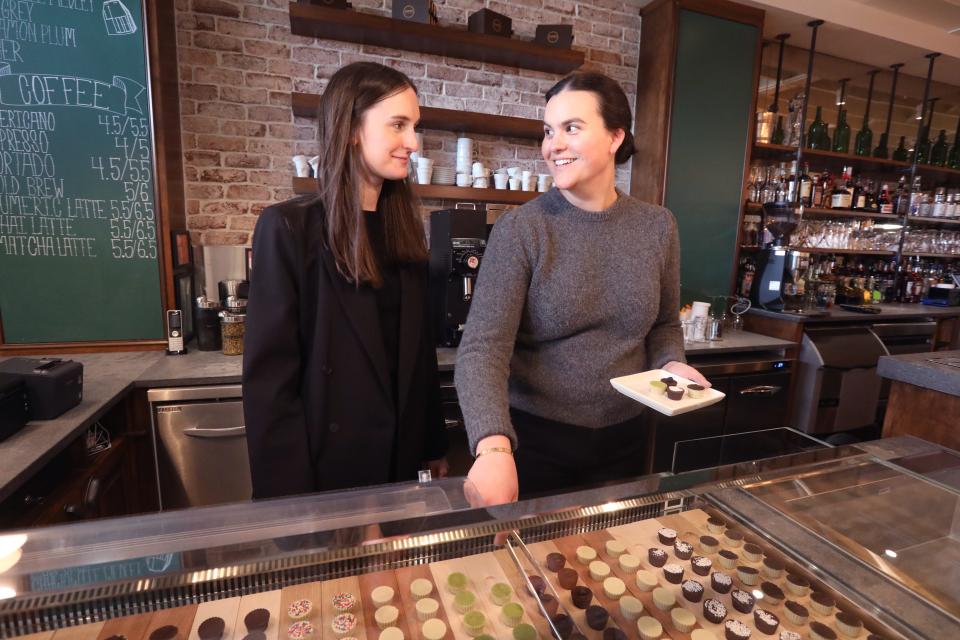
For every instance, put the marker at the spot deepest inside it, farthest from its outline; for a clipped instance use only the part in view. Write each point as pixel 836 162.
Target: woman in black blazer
pixel 340 370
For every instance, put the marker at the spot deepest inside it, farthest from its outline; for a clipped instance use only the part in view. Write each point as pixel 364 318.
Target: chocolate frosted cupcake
pixel 683 550
pixel 822 603
pixel 567 578
pixel 752 552
pixel 211 629
pixel 714 610
pixel 742 601
pixel 657 557
pixel 563 624
pixel 257 620
pixel 765 621
pixel 772 568
pixel 166 632
pixel 597 617
pixel 556 561
pixel 715 524
pixel 797 584
pixel 732 538
pixel 666 535
pixel 728 559
pixel 748 575
pixel 848 624
pixel 709 544
pixel 721 582
pixel 736 630
pixel 581 596
pixel 820 631
pixel 549 603
pixel 673 573
pixel 538 584
pixel 701 565
pixel 771 592
pixel 692 590
pixel 796 613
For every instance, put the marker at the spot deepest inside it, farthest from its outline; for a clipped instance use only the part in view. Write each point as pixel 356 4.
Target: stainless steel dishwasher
pixel 200 445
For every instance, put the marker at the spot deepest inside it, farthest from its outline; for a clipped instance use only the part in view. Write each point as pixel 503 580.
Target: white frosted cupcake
pixel 614 588
pixel 702 634
pixel 630 607
pixel 381 596
pixel 391 633
pixel 615 548
pixel 386 616
pixel 427 608
pixel 682 619
pixel 646 581
pixel 664 599
pixel 599 570
pixel 421 588
pixel 586 554
pixel 649 628
pixel 629 562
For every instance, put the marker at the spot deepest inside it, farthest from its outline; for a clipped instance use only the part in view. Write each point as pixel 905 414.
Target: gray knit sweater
pixel 567 299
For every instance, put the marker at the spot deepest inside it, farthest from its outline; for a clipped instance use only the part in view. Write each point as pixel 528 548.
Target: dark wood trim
pixel 307 186
pixel 728 11
pixel 102 346
pixel 305 105
pixel 366 28
pixel 655 71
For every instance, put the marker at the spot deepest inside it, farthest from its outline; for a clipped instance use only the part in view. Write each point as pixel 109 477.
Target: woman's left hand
pixel 440 468
pixel 686 371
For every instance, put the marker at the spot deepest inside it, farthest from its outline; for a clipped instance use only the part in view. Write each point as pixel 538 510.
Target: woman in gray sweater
pixel 577 286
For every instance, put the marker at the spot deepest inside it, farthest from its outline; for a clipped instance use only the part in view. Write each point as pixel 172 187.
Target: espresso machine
pixel 779 284
pixel 458 238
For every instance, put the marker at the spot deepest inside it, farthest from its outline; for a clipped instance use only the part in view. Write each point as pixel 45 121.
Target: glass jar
pixel 208 324
pixel 232 326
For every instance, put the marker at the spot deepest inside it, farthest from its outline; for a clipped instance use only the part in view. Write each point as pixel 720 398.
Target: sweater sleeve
pixel 483 357
pixel 665 339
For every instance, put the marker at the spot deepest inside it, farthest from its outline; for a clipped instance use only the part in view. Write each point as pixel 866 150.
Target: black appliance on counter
pixel 458 238
pixel 53 385
pixel 777 283
pixel 13 404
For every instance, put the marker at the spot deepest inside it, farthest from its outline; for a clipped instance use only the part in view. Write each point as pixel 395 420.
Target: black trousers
pixel 553 457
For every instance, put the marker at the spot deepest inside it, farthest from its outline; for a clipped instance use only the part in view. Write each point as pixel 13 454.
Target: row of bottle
pixel 847 280
pixel 778 183
pixel 937 153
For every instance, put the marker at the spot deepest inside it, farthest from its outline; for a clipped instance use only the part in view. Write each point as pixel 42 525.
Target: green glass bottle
pixel 882 151
pixel 841 135
pixel 816 132
pixel 900 153
pixel 778 133
pixel 921 149
pixel 825 138
pixel 938 152
pixel 864 141
pixel 953 157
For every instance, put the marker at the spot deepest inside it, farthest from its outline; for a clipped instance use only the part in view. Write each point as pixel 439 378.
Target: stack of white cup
pixel 464 162
pixel 698 315
pixel 424 170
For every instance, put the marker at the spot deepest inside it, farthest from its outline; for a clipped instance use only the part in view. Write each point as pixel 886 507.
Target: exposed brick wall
pixel 239 63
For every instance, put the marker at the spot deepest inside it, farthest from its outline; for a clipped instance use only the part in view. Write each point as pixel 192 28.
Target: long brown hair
pixel 351 91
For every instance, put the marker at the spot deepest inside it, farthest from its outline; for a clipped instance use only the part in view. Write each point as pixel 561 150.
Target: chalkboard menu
pixel 79 259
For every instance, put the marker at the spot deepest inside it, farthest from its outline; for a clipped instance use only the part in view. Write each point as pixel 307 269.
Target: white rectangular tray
pixel 637 386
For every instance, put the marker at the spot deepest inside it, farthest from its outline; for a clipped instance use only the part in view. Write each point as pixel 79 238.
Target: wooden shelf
pixel 307 186
pixel 863 162
pixel 305 104
pixel 921 221
pixel 817 212
pixel 851 252
pixel 365 28
pixel 952 256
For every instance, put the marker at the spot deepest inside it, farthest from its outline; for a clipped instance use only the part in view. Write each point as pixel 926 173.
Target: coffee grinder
pixel 779 284
pixel 458 238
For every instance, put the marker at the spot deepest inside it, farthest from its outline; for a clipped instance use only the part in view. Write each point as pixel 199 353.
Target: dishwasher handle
pixel 761 390
pixel 229 432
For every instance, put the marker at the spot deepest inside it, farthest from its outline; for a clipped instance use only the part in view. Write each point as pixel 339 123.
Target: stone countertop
pixel 887 312
pixel 926 370
pixel 108 376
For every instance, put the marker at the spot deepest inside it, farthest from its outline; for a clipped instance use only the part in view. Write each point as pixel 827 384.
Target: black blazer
pixel 317 401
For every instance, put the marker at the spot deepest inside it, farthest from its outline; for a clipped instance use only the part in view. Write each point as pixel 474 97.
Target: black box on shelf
pixel 490 23
pixel 53 385
pixel 555 35
pixel 415 11
pixel 13 404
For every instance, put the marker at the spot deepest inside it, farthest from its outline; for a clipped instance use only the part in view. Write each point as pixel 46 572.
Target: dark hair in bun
pixel 614 107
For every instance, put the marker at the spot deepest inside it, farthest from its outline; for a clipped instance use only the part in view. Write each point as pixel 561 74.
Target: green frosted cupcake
pixel 474 621
pixel 511 614
pixel 456 582
pixel 464 601
pixel 524 632
pixel 500 593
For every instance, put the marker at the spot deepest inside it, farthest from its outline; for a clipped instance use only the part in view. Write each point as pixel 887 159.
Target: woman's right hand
pixel 494 475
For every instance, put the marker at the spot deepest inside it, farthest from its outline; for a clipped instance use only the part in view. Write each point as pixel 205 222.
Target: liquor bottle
pixel 883 202
pixel 790 185
pixel 816 199
pixel 817 130
pixel 859 201
pixel 841 135
pixel 864 140
pixel 825 139
pixel 938 152
pixel 870 196
pixel 953 157
pixel 900 153
pixel 778 133
pixel 882 151
pixel 806 186
pixel 921 150
pixel 842 197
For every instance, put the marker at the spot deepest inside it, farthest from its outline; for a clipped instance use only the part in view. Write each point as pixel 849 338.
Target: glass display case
pixel 832 543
